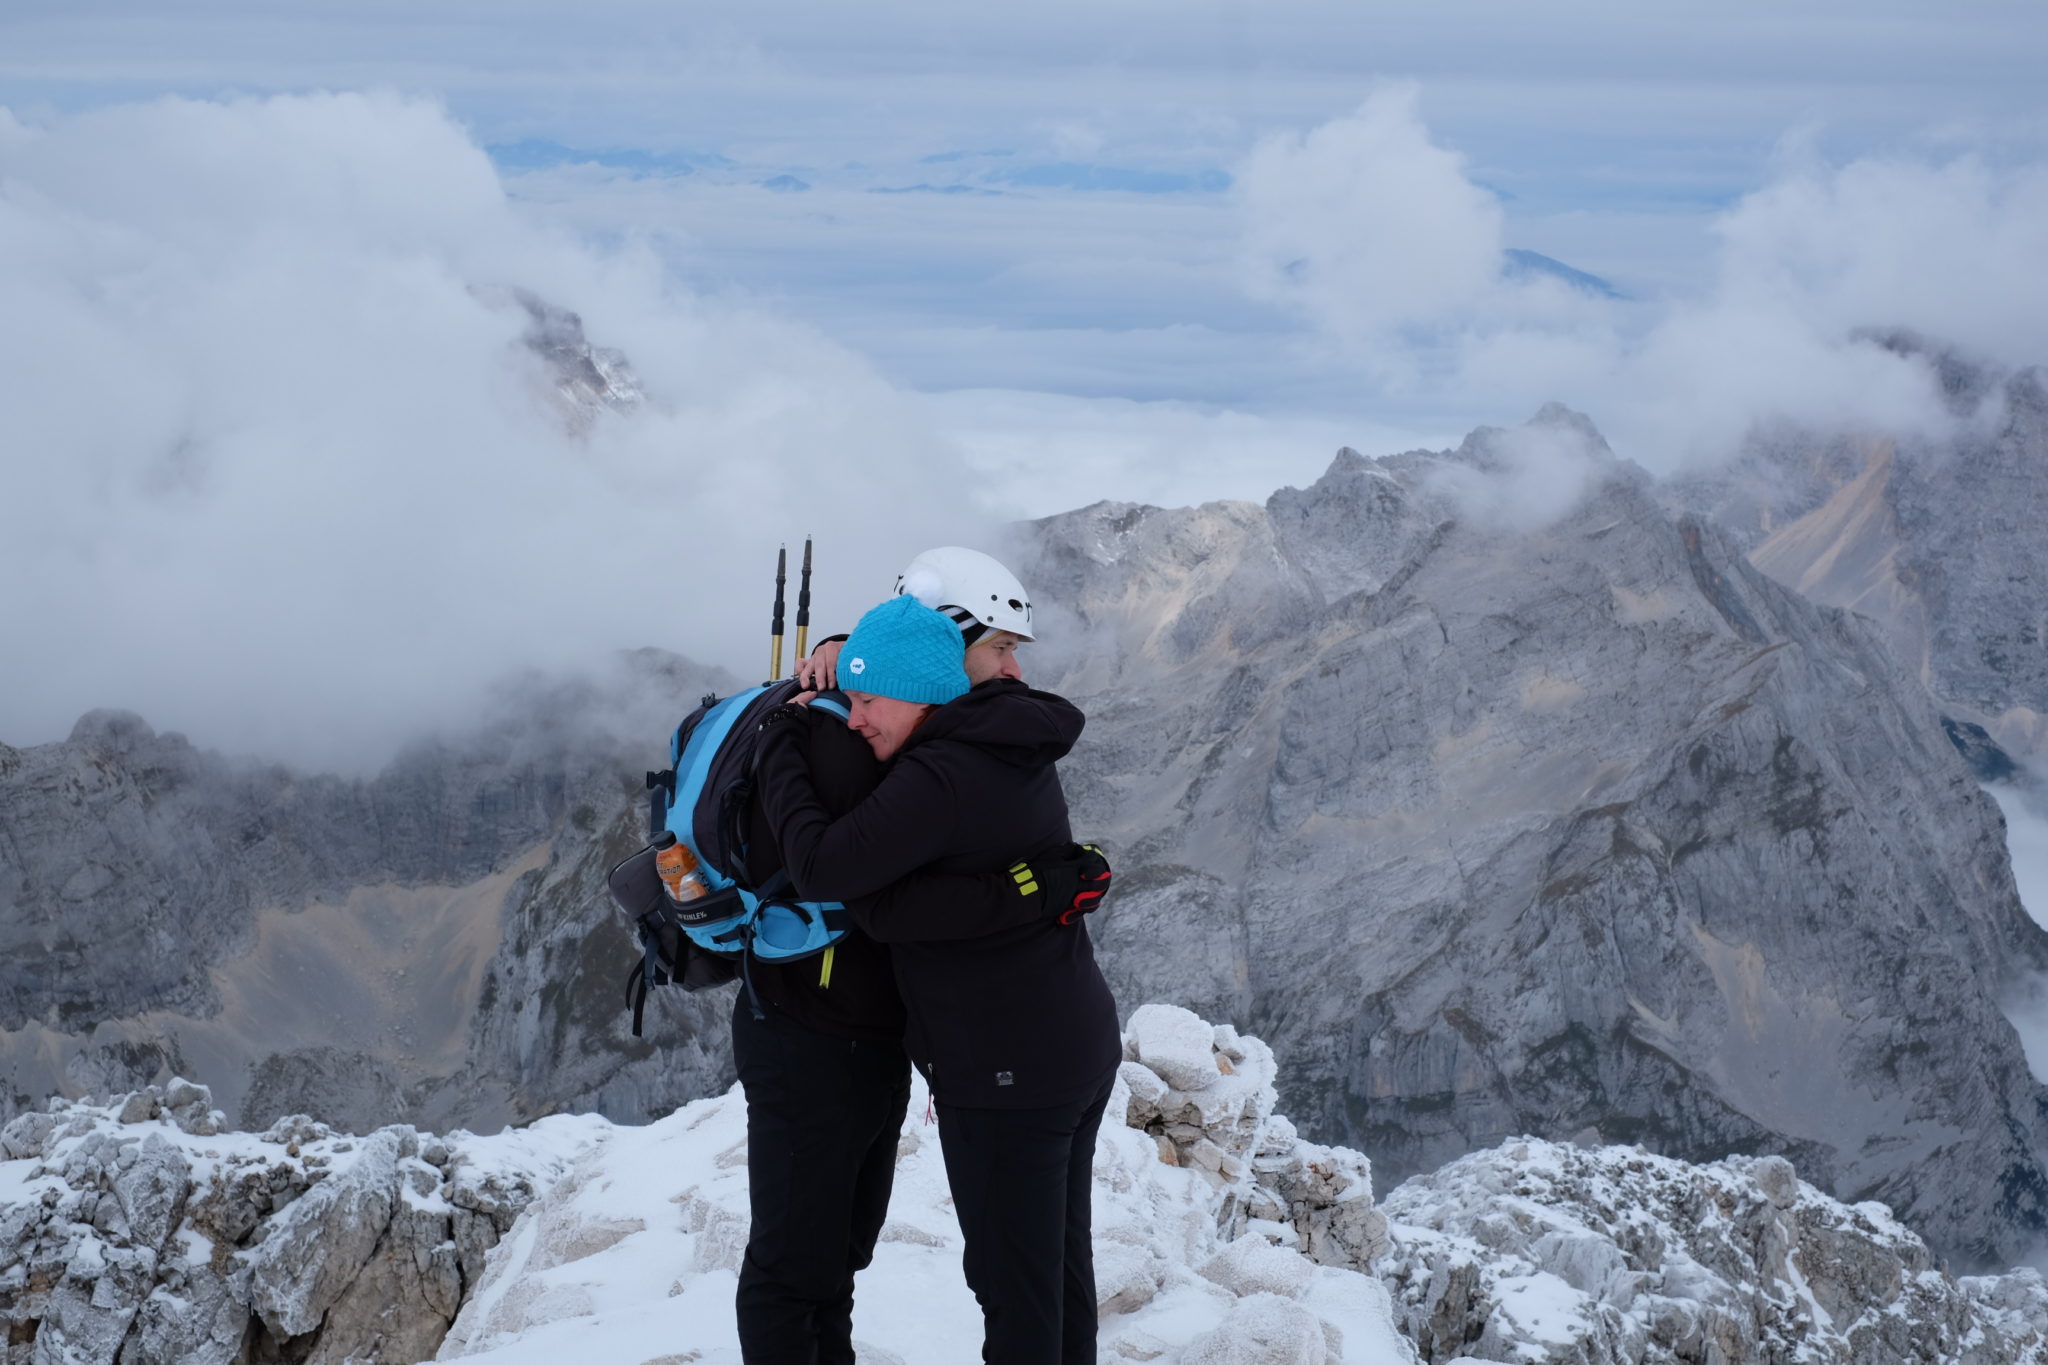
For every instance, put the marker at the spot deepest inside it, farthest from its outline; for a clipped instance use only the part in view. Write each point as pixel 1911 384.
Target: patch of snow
pixel 634 1253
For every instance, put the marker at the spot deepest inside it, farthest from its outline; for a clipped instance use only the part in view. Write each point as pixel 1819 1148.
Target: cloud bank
pixel 1381 239
pixel 1369 226
pixel 278 471
pixel 2026 837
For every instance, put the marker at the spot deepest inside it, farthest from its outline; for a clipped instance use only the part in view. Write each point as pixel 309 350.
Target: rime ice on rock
pixel 1177 1257
pixel 138 1229
pixel 1206 1097
pixel 1220 1237
pixel 1267 1329
pixel 1548 1253
pixel 1177 1044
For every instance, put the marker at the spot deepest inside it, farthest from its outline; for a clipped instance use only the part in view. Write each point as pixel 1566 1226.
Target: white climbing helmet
pixel 957 580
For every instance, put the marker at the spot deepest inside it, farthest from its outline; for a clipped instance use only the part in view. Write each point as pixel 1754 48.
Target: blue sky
pixel 1019 259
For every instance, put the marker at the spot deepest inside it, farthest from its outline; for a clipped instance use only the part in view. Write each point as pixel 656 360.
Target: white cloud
pixel 1955 248
pixel 1035 454
pixel 276 475
pixel 2026 841
pixel 2026 838
pixel 1535 475
pixel 1381 237
pixel 269 455
pixel 1367 225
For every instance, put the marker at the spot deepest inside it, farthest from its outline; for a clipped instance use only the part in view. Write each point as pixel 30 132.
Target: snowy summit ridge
pixel 137 1231
pixel 1219 1235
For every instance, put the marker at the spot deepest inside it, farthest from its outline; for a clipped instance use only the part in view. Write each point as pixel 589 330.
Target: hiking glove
pixel 1073 883
pixel 1093 875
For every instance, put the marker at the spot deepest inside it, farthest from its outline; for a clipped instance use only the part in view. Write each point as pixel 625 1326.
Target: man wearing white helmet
pixel 984 599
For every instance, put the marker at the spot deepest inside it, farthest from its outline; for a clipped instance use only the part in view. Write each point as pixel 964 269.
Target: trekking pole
pixel 775 621
pixel 803 609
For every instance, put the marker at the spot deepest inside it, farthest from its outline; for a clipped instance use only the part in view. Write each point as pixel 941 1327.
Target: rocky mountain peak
pixel 1935 538
pixel 584 381
pixel 113 731
pixel 1484 446
pixel 1498 828
pixel 305 940
pixel 1965 381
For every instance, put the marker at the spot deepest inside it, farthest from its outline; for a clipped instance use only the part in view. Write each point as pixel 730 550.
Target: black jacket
pixel 858 999
pixel 852 994
pixel 1009 1017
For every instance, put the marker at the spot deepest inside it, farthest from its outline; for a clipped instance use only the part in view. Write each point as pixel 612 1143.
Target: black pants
pixel 823 1115
pixel 1022 1180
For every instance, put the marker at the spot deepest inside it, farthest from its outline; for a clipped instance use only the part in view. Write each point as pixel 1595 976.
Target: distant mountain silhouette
pixel 1517 264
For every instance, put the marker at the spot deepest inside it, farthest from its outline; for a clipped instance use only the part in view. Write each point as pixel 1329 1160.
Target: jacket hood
pixel 1019 724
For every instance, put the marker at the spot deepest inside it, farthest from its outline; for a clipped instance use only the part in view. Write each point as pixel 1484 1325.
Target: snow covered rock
pixel 139 1243
pixel 136 1230
pixel 1206 1096
pixel 634 1255
pixel 1177 1044
pixel 1266 1329
pixel 1542 1252
pixel 310 1252
pixel 1252 1265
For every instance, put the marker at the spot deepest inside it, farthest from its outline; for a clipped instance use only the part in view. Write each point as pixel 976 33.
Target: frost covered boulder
pixel 137 1230
pixel 1541 1252
pixel 1205 1095
pixel 1267 1329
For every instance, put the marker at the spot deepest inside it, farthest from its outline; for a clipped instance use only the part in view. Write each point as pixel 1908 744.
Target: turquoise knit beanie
pixel 904 649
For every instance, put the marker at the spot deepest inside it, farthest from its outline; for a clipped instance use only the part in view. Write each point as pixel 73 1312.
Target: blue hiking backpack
pixel 703 800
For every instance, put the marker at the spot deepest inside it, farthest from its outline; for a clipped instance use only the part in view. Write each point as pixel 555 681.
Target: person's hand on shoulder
pixel 820 672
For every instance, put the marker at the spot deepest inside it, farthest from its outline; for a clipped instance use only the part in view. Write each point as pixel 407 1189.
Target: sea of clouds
pixel 278 471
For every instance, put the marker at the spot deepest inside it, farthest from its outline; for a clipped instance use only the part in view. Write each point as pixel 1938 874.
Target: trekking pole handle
pixel 775 621
pixel 803 608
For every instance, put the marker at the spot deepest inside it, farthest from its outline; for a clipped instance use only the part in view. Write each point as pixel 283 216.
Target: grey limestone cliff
pixel 1936 537
pixel 1577 828
pixel 423 945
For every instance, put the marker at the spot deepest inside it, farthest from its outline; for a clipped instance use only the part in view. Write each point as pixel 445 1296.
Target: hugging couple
pixel 936 816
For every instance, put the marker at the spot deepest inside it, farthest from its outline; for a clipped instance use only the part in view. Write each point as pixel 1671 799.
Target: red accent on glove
pixel 1094 877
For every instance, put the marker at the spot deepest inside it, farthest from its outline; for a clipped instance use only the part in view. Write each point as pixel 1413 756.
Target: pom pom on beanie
pixel 925 585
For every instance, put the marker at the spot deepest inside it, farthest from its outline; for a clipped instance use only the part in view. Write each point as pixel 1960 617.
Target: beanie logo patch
pixel 857 667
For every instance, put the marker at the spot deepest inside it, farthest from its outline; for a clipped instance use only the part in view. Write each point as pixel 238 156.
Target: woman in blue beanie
pixel 1015 1031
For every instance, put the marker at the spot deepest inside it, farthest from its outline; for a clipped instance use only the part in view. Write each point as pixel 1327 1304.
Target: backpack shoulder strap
pixel 833 704
pixel 693 761
pixel 736 797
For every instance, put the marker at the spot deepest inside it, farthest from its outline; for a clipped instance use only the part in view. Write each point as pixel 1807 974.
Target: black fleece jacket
pixel 1014 1018
pixel 852 992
